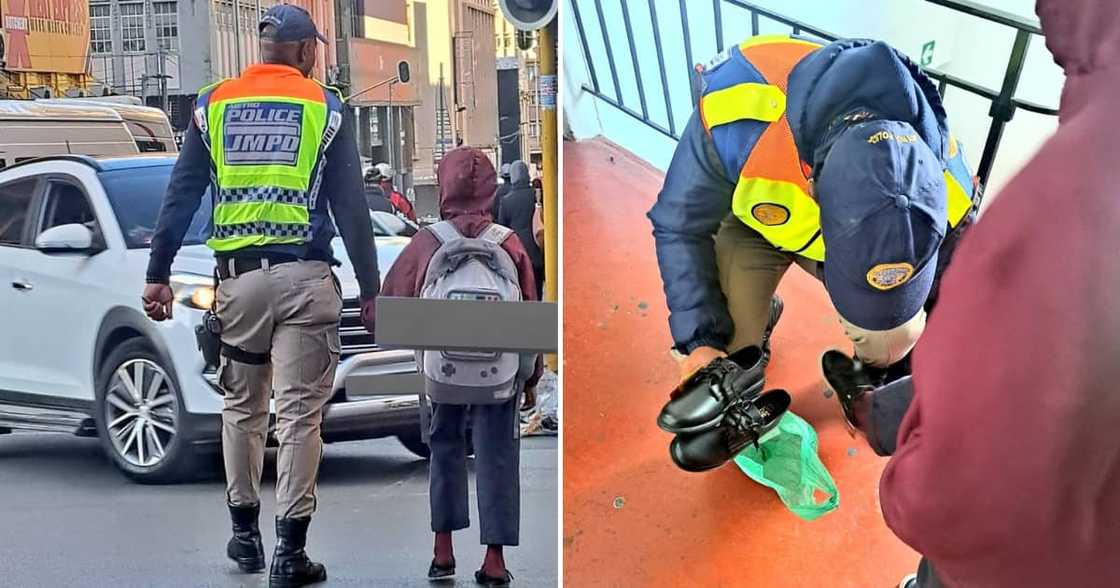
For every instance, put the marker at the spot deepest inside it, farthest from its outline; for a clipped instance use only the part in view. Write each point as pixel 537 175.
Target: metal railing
pixel 1003 101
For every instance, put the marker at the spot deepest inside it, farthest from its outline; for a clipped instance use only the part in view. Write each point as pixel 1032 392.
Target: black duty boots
pixel 702 399
pixel 744 423
pixel 291 567
pixel 245 546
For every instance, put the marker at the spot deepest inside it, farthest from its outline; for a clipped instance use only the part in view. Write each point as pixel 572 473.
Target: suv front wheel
pixel 138 409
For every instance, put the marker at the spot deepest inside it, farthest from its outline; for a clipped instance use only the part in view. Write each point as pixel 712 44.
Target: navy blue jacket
pixel 830 82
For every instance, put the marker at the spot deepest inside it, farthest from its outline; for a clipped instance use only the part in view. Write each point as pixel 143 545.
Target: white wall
pixel 965 46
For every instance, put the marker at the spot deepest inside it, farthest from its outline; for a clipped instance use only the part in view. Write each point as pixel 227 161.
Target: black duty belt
pixel 231 267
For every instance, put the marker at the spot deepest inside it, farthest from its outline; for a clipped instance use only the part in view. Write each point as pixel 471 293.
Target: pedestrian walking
pixel 399 202
pixel 274 148
pixel 466 188
pixel 375 196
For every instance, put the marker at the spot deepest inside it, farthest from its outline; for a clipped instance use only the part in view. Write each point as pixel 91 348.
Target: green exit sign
pixel 927 53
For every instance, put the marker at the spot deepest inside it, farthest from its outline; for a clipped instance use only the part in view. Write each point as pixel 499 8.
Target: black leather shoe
pixel 850 379
pixel 706 395
pixel 291 567
pixel 482 579
pixel 438 572
pixel 776 307
pixel 245 546
pixel 745 423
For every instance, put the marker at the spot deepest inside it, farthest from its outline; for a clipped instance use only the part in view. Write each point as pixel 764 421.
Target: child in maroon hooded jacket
pixel 1005 470
pixel 466 192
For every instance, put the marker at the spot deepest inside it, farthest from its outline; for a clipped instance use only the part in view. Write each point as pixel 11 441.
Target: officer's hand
pixel 369 306
pixel 158 301
pixel 695 361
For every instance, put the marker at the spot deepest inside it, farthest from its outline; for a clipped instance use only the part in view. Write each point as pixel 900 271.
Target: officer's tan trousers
pixel 750 269
pixel 290 311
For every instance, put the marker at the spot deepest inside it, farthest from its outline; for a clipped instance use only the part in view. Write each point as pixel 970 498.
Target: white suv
pixel 77 353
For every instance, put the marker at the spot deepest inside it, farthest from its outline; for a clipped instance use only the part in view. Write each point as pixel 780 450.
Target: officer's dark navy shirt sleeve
pixel 695 198
pixel 189 180
pixel 343 186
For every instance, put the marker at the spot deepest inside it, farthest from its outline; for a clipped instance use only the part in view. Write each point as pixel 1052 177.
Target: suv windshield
pixel 136 195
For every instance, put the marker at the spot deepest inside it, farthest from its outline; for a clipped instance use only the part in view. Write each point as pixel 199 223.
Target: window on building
pixel 132 26
pixel 100 29
pixel 165 19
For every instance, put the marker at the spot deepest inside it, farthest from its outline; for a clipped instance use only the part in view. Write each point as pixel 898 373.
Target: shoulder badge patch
pixel 886 276
pixel 770 214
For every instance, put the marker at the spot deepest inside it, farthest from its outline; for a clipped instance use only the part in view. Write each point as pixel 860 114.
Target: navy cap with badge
pixel 882 197
pixel 292 23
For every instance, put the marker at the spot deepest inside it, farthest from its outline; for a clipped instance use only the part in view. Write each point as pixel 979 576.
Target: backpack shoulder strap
pixel 496 234
pixel 445 231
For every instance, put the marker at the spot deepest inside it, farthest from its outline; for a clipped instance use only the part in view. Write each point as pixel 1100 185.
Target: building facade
pixel 44 48
pixel 380 34
pixel 164 51
pixel 456 78
pixel 510 55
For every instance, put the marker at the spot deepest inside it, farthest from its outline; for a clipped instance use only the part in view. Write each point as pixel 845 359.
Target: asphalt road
pixel 67 518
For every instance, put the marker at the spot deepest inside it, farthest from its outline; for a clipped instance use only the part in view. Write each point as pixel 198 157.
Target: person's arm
pixel 405 275
pixel 694 200
pixel 343 186
pixel 189 180
pixel 525 276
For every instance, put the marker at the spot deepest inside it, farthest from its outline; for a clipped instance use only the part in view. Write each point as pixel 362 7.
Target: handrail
pixel 1004 102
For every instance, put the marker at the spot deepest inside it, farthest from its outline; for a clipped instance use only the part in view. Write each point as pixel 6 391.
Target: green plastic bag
pixel 787 461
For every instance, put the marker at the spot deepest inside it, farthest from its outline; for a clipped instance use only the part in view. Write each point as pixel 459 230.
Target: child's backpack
pixel 470 269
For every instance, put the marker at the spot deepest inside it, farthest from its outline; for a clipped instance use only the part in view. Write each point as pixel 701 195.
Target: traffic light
pixel 524 40
pixel 528 15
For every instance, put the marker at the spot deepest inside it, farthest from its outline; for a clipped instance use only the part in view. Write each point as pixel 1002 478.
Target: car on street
pixel 77 354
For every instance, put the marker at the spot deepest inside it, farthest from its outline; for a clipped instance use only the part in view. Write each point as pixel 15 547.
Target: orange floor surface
pixel 631 518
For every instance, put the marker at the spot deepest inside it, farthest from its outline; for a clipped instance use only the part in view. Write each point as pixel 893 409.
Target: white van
pixel 150 127
pixel 30 129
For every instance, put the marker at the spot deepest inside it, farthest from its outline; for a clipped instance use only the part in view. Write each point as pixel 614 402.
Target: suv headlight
pixel 193 290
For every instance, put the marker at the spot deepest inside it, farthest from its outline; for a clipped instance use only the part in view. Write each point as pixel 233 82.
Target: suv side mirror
pixel 72 238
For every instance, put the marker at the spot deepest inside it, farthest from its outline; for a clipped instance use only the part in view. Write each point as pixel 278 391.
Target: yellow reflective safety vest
pixel 772 194
pixel 266 133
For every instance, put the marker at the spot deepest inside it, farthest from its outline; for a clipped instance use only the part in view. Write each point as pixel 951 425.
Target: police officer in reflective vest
pixel 837 158
pixel 276 151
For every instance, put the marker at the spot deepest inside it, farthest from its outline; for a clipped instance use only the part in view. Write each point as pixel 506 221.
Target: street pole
pixel 548 88
pixel 162 79
pixel 389 135
pixel 237 33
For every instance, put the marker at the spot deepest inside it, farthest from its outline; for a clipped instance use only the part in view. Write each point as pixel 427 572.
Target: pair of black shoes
pixel 291 568
pixel 721 410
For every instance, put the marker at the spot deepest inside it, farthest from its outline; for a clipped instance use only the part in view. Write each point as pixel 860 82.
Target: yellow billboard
pixel 46 35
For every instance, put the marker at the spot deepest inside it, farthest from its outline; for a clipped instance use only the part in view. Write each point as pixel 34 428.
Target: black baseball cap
pixel 292 23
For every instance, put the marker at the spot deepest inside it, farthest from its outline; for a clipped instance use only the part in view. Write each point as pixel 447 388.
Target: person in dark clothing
pixel 375 196
pixel 466 191
pixel 516 213
pixel 399 202
pixel 501 192
pixel 1004 467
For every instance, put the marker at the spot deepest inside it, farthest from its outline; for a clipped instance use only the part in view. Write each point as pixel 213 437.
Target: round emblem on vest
pixel 886 276
pixel 770 214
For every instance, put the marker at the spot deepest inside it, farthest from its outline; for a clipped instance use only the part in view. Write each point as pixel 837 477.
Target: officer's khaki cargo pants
pixel 750 269
pixel 290 311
